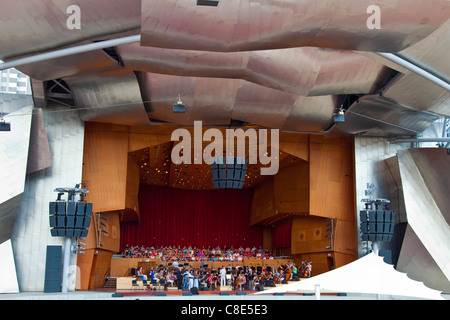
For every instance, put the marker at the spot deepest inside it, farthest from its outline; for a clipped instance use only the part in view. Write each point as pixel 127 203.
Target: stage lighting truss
pixel 228 172
pixel 70 218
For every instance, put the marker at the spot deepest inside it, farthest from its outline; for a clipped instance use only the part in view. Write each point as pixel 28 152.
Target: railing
pixel 106 276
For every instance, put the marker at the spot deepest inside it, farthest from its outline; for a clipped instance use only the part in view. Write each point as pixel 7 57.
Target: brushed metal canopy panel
pixel 39 155
pixel 68 66
pixel 209 100
pixel 217 101
pixel 311 114
pixel 418 264
pixel 304 71
pixel 423 211
pixel 420 94
pixel 35 26
pixel 280 64
pixel 111 96
pixel 432 51
pixel 416 92
pixel 380 116
pixel 244 25
pixel 9 210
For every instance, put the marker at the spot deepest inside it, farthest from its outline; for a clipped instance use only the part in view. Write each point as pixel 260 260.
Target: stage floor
pixel 182 293
pixel 103 294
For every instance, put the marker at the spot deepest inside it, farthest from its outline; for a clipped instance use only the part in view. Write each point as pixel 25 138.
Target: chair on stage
pixel 162 284
pixel 134 284
pixel 156 284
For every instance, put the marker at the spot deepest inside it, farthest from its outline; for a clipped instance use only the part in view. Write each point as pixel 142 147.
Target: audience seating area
pixel 192 253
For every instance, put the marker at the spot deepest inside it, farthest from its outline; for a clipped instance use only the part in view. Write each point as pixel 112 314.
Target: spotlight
pixel 179 107
pixel 339 117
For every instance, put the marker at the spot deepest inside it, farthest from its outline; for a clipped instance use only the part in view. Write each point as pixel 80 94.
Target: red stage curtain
pixel 170 216
pixel 282 235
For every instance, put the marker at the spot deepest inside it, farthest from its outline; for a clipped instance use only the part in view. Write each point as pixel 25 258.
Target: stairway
pixel 110 283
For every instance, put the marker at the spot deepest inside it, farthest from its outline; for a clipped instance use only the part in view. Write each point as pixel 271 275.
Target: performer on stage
pixel 223 280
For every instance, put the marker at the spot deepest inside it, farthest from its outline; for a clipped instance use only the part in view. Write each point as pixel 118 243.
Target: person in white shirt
pixel 223 280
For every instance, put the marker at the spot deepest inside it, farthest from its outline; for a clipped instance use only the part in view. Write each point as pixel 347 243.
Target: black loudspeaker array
pixel 70 218
pixel 229 172
pixel 377 225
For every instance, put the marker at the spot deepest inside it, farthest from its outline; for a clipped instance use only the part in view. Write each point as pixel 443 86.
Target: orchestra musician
pixel 240 282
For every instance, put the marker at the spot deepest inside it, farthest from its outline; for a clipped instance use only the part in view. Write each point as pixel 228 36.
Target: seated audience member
pixel 140 274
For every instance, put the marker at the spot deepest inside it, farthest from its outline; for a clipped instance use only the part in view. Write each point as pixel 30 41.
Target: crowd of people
pixel 205 278
pixel 192 253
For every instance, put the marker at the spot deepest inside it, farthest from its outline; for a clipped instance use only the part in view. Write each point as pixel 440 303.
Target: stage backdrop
pixel 170 216
pixel 282 235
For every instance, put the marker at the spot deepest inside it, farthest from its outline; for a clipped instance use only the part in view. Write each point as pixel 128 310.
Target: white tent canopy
pixel 369 274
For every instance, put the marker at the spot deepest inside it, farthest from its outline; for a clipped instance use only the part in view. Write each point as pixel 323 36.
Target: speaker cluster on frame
pixel 70 218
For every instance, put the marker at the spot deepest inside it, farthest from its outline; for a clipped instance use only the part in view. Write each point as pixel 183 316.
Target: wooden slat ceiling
pixel 156 168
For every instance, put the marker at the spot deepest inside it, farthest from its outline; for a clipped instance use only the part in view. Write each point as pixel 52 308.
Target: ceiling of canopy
pixel 286 64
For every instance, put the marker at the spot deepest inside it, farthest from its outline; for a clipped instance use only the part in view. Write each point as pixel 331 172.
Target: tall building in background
pixel 14 81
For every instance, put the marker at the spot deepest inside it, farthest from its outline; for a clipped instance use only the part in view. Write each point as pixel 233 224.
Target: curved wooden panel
pixel 105 165
pixel 291 189
pixel 263 204
pixel 309 235
pixel 332 178
pixel 295 144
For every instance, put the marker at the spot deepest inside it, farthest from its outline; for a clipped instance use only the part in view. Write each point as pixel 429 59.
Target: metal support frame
pixel 66 264
pixel 68 247
pixel 69 51
pixel 58 91
pixel 443 140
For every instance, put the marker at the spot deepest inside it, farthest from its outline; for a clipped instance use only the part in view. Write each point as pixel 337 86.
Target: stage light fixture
pixel 339 117
pixel 179 107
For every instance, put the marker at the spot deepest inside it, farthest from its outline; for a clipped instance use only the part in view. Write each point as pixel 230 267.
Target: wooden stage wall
pixel 310 193
pixel 320 186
